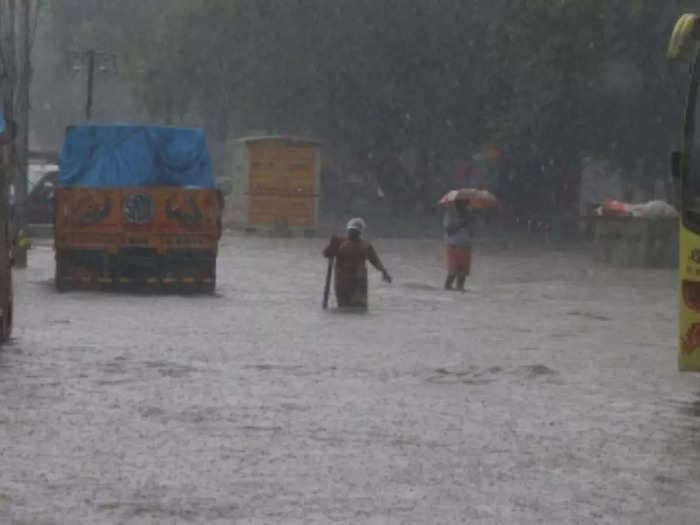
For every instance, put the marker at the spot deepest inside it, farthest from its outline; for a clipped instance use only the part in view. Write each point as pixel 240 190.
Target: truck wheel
pixel 210 287
pixel 7 314
pixel 59 281
pixel 6 325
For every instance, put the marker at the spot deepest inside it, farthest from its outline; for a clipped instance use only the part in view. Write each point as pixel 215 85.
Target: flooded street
pixel 546 394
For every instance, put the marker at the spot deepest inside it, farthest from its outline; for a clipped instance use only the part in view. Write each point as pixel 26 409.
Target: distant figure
pixel 458 225
pixel 466 175
pixel 350 254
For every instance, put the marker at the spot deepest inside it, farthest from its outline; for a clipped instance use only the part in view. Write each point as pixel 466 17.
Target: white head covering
pixel 356 224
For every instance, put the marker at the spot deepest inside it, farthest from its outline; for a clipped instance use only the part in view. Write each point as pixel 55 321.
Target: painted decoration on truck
pixel 690 342
pixel 91 211
pixel 183 210
pixel 138 208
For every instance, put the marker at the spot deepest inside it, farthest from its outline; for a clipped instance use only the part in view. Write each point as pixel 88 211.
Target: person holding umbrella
pixel 350 254
pixel 458 225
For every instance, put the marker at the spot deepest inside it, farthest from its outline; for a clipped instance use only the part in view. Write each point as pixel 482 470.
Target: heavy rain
pixel 334 261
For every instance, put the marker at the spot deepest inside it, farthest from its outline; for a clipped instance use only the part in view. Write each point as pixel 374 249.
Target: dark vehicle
pixel 40 200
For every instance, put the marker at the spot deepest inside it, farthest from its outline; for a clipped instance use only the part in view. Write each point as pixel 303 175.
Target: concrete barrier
pixel 633 241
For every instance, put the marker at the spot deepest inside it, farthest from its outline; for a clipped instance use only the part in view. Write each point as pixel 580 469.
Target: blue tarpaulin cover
pixel 110 156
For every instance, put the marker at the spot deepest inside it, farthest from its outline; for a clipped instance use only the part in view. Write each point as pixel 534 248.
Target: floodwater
pixel 546 394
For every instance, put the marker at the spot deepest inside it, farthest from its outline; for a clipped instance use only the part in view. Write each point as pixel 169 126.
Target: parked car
pixel 40 199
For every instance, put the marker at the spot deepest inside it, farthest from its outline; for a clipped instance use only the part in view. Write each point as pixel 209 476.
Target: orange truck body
pixel 155 237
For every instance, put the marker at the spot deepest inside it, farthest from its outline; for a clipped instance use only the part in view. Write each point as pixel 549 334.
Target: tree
pixel 570 77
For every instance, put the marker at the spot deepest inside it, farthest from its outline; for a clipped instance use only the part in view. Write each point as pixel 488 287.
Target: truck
pixel 136 206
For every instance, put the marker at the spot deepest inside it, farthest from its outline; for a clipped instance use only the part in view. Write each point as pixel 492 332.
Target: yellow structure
pixel 276 184
pixel 684 45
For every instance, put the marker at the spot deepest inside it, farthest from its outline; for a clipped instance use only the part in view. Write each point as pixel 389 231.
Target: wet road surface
pixel 547 394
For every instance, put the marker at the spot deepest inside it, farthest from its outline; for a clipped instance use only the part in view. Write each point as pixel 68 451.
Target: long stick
pixel 327 289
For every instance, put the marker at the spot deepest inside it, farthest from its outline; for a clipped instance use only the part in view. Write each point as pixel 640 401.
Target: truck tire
pixel 210 287
pixel 8 314
pixel 59 277
pixel 6 297
pixel 6 324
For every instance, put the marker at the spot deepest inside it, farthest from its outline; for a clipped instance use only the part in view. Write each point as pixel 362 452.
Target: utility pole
pixel 22 104
pixel 6 102
pixel 8 26
pixel 90 83
pixel 91 61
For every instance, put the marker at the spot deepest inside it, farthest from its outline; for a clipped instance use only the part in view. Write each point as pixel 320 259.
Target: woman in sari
pixel 351 253
pixel 458 238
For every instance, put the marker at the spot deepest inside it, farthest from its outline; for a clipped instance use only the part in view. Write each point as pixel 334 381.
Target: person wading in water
pixel 350 255
pixel 458 225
